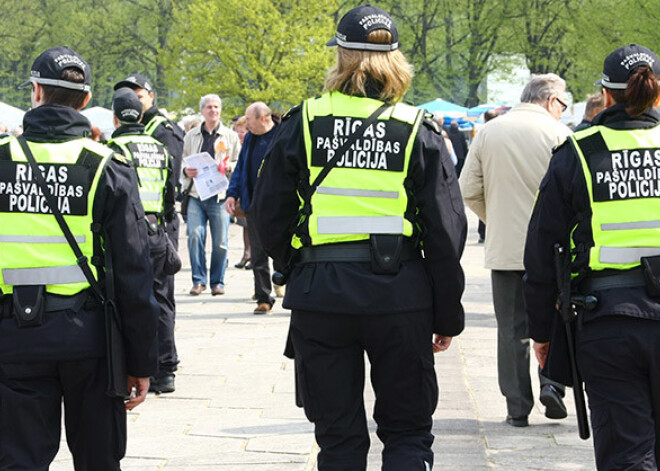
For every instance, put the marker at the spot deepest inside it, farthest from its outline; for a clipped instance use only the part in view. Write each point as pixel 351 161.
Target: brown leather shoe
pixel 263 308
pixel 216 290
pixel 196 290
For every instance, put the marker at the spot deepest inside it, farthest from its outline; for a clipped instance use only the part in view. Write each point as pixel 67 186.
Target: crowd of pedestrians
pixel 357 200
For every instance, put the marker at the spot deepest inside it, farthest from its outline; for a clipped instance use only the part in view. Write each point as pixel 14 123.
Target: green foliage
pixel 262 50
pixel 274 50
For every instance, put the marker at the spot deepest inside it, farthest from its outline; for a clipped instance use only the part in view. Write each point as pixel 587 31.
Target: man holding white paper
pixel 223 145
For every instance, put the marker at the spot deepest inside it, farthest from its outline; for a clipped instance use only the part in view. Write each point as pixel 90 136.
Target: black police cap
pixel 47 69
pixel 355 26
pixel 126 105
pixel 619 65
pixel 134 81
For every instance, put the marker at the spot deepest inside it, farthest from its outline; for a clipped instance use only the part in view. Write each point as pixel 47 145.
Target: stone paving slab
pixel 234 404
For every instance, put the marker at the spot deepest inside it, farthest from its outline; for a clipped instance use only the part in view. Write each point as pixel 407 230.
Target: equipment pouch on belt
pixel 29 305
pixel 651 267
pixel 386 254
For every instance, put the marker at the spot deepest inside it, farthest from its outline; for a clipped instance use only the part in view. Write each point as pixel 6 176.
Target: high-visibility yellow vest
pixel 33 249
pixel 622 173
pixel 151 126
pixel 151 162
pixel 364 193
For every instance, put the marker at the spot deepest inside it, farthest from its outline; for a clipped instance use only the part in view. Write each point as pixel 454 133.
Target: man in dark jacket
pixel 53 325
pixel 261 129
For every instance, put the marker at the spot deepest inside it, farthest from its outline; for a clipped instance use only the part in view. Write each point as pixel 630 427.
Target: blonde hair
pixel 241 121
pixel 356 71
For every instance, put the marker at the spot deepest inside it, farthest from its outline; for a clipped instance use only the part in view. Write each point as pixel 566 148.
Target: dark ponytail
pixel 642 91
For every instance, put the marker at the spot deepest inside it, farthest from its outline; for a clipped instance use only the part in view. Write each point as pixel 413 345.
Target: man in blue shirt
pixel 261 129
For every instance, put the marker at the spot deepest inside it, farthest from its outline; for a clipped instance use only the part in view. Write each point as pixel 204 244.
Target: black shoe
pixel 552 400
pixel 162 383
pixel 517 421
pixel 242 263
pixel 248 266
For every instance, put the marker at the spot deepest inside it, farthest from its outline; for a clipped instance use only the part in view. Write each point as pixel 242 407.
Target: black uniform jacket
pixel 65 335
pixel 135 129
pixel 436 282
pixel 171 136
pixel 562 203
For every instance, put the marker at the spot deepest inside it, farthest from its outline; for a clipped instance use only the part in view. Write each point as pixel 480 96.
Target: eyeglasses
pixel 563 105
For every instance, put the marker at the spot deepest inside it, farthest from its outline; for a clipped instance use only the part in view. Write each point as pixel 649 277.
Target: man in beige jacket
pixel 223 145
pixel 505 164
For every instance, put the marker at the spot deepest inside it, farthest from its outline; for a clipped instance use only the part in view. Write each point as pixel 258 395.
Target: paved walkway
pixel 233 408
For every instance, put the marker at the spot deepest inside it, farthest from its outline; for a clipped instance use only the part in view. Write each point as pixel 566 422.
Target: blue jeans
pixel 199 212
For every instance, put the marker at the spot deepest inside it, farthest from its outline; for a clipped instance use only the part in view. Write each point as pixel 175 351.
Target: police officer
pixel 157 125
pixel 171 136
pixel 601 198
pixel 153 166
pixel 52 330
pixel 359 282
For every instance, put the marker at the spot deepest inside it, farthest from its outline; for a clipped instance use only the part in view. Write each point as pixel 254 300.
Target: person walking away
pixel 153 166
pixel 357 280
pixel 610 228
pixel 55 303
pixel 502 172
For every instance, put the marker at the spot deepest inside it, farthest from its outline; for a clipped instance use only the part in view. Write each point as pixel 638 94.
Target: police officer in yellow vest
pixel 153 167
pixel 358 281
pixel 157 125
pixel 601 198
pixel 52 330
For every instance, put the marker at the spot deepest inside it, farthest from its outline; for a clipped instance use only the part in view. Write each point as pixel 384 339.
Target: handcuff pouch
pixel 29 305
pixel 386 251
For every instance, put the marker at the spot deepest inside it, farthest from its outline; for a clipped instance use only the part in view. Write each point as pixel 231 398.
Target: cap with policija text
pixel 619 65
pixel 134 81
pixel 126 105
pixel 355 26
pixel 47 69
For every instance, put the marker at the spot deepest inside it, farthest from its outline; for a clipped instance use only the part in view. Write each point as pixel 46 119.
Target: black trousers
pixel 164 294
pixel 260 266
pixel 619 359
pixel 329 355
pixel 30 415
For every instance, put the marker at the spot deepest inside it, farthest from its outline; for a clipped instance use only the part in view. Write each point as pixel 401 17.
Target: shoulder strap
pixel 343 149
pixel 81 260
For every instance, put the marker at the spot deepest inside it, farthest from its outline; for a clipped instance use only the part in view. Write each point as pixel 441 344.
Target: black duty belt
pixel 632 278
pixel 54 302
pixel 352 252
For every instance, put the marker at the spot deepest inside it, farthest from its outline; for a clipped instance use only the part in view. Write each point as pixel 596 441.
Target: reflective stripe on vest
pixel 33 249
pixel 43 275
pixel 151 162
pixel 151 126
pixel 622 173
pixel 364 193
pixel 30 239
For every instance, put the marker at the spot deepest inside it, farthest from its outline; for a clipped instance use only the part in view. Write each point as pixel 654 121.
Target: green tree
pixel 116 37
pixel 451 44
pixel 263 50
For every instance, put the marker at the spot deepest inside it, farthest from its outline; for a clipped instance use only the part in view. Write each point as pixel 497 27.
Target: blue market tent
pixel 450 111
pixel 480 109
pixel 447 107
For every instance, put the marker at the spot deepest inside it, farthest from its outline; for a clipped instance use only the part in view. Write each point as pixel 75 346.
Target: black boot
pixel 162 383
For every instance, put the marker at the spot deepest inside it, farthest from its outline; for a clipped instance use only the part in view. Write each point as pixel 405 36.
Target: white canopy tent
pixel 101 118
pixel 11 116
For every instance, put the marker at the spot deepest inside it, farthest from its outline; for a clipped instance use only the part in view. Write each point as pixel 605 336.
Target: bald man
pixel 261 129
